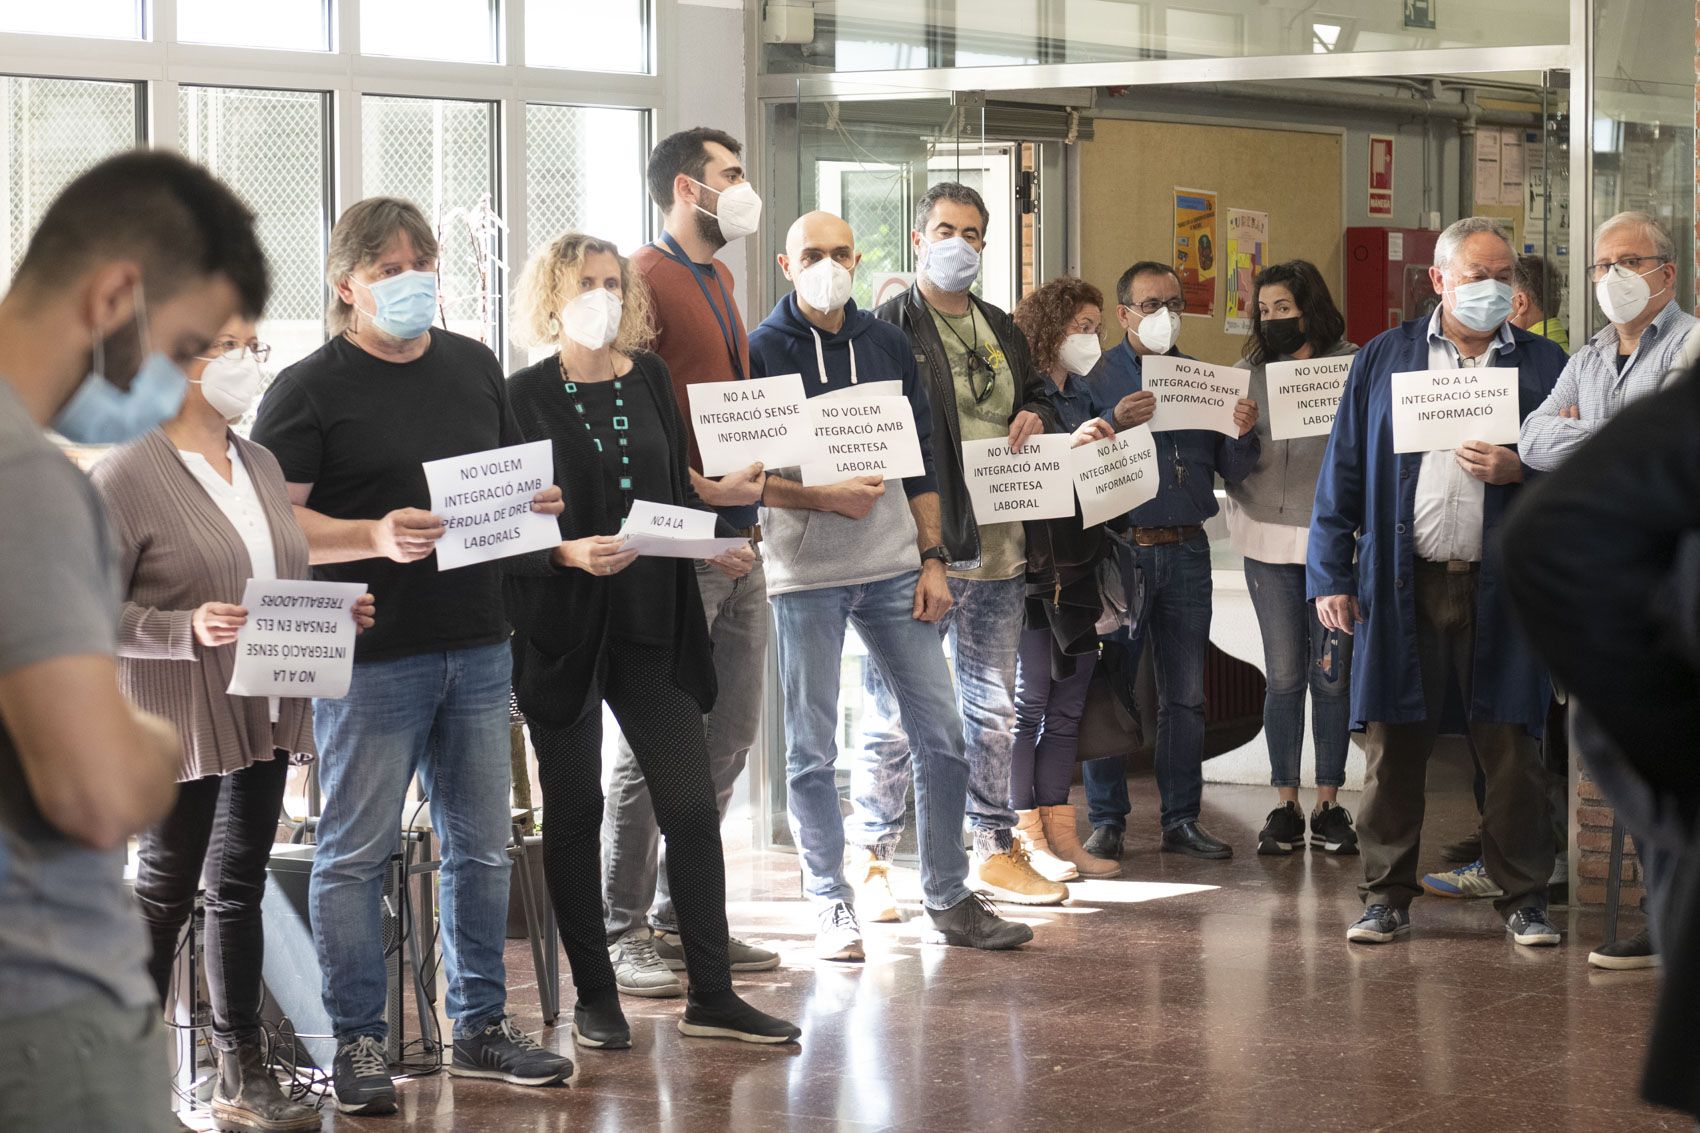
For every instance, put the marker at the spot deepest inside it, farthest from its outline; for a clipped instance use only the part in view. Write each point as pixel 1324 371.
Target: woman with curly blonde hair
pixel 594 623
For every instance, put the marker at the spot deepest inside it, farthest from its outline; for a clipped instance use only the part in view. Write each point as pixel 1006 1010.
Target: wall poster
pixel 1195 249
pixel 1248 254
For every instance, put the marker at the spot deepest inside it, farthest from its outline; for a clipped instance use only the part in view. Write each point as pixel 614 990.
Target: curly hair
pixel 550 281
pixel 1044 316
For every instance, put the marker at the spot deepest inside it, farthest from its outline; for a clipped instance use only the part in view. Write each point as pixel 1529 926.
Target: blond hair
pixel 550 281
pixel 360 237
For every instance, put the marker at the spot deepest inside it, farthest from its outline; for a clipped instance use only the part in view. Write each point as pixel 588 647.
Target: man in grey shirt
pixel 133 270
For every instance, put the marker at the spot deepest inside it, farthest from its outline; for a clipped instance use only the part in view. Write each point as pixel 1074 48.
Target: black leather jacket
pixel 956 512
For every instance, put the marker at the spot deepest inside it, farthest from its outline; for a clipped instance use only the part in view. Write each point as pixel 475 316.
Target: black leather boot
pixel 249 1100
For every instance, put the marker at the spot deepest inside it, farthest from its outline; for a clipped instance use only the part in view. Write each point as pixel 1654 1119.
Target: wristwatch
pixel 938 553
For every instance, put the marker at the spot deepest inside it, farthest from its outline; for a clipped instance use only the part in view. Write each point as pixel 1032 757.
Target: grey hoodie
pixel 1282 488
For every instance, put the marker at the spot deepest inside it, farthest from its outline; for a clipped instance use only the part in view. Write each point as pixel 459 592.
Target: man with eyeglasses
pixel 981 385
pixel 1171 554
pixel 1634 276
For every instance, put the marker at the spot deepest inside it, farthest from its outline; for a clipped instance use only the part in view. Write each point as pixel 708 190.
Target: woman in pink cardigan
pixel 196 511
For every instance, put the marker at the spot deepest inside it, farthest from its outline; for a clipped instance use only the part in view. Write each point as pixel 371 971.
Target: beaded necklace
pixel 621 424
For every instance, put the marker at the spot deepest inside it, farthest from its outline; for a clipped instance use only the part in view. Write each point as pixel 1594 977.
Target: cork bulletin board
pixel 1128 173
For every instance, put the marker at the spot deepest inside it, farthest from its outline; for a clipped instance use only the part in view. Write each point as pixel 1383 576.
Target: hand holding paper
pixel 494 504
pixel 1194 395
pixel 298 639
pixel 675 532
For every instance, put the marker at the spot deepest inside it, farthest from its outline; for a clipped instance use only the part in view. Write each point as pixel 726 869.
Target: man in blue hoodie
pixel 854 553
pixel 1173 557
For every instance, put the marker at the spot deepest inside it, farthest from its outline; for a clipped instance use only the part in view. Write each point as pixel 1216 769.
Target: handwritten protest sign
pixel 739 423
pixel 1304 395
pixel 1031 484
pixel 1114 476
pixel 1194 395
pixel 1441 409
pixel 298 641
pixel 484 499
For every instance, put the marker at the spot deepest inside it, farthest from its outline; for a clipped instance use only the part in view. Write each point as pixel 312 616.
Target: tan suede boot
pixel 1064 841
pixel 870 877
pixel 1009 876
pixel 1030 831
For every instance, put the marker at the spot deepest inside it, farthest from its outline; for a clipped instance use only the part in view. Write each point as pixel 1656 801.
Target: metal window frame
pixel 159 63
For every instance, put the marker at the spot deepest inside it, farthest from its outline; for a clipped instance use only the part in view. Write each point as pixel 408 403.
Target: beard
pixel 708 227
pixel 121 355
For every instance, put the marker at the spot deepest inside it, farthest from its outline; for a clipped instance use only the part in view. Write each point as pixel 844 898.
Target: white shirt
pixel 240 503
pixel 1265 542
pixel 1447 522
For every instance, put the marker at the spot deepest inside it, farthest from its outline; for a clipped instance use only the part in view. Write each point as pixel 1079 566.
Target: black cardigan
pixel 560 615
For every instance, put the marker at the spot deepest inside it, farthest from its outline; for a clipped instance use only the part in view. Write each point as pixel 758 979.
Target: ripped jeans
pixel 1298 653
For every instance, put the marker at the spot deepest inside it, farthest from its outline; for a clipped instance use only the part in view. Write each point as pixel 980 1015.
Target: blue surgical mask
pixel 952 265
pixel 1482 305
pixel 100 413
pixel 405 305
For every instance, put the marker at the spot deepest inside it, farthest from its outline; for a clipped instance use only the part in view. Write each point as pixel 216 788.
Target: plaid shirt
pixel 1592 383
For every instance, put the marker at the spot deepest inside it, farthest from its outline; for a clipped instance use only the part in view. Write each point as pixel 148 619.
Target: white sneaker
pixel 839 936
pixel 639 971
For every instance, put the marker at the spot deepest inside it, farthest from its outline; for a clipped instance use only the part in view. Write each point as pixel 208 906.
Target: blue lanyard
pixel 674 252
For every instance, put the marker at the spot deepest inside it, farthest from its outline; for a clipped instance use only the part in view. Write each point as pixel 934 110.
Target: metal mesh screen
pixel 55 129
pixel 441 154
pixel 876 206
pixel 269 146
pixel 584 172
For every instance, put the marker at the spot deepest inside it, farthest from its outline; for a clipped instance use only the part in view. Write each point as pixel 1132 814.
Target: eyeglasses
pixel 1635 264
pixel 231 351
pixel 1082 326
pixel 1152 306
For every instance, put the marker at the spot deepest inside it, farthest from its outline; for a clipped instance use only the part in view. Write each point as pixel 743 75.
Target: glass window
pixel 293 25
pixel 441 154
pixel 108 19
pixel 611 35
pixel 584 171
pixel 55 129
pixel 464 30
pixel 269 146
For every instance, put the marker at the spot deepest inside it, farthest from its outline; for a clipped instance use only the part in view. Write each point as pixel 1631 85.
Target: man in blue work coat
pixel 1173 556
pixel 1403 552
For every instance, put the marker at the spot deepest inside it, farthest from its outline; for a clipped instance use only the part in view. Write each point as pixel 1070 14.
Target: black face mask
pixel 1282 336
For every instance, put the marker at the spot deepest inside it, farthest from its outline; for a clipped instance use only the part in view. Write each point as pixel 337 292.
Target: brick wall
pixel 1593 841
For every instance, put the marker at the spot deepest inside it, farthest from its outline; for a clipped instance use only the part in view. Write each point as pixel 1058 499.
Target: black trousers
pixel 222 826
pixel 663 724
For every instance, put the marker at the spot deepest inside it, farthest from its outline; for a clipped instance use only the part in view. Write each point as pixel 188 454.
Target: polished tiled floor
pixel 1187 996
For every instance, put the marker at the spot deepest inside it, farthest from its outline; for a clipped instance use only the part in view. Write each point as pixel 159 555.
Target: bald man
pixel 862 552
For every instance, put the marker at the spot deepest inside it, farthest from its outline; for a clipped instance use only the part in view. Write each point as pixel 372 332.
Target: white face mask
pixel 1623 294
pixel 231 387
pixel 1079 353
pixel 738 209
pixel 825 285
pixel 1159 331
pixel 592 318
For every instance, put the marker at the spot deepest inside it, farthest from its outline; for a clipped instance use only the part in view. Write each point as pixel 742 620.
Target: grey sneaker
pixel 1380 924
pixel 361 1077
pixel 1529 925
pixel 973 922
pixel 744 956
pixel 504 1052
pixel 839 935
pixel 638 970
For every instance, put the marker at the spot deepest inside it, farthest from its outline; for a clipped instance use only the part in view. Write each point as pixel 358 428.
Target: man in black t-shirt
pixel 352 425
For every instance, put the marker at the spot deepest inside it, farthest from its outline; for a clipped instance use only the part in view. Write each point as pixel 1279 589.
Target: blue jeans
pixel 1175 614
pixel 1047 723
pixel 444 715
pixel 810 625
pixel 1299 653
pixel 982 629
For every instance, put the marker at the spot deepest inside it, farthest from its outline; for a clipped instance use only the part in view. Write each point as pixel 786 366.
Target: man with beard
pixel 696 178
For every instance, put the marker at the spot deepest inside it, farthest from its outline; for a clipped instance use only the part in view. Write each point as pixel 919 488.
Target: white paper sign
pixel 1193 395
pixel 298 640
pixel 1304 396
pixel 484 499
pixel 739 423
pixel 667 531
pixel 1114 476
pixel 1034 483
pixel 1441 409
pixel 862 436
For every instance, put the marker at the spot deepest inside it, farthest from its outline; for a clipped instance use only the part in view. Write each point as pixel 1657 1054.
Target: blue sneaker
pixel 1380 924
pixel 1467 881
pixel 1529 925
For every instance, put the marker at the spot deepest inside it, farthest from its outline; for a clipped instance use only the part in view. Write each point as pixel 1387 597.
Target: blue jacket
pixel 784 344
pixel 1363 540
pixel 1202 453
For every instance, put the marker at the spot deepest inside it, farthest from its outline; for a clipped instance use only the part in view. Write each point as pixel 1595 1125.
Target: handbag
pixel 1109 724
